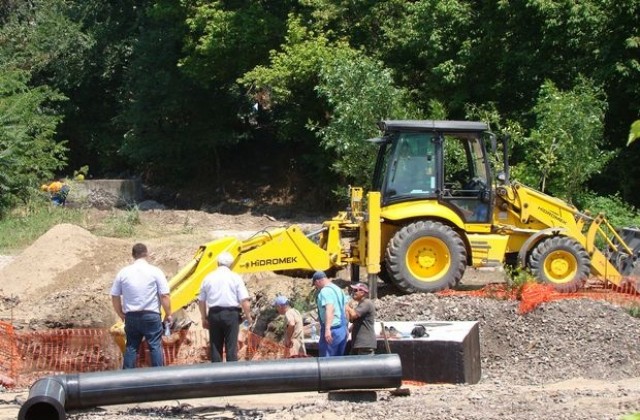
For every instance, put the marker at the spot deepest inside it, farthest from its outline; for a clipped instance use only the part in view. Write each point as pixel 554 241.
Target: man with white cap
pixel 363 335
pixel 223 296
pixel 293 331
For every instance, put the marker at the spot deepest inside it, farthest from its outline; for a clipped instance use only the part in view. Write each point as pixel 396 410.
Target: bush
pixel 618 212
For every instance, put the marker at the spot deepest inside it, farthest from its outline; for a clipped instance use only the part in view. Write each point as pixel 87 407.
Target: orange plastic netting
pixel 26 355
pixel 531 295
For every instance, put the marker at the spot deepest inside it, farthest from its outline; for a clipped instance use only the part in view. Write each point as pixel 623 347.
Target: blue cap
pixel 318 275
pixel 280 301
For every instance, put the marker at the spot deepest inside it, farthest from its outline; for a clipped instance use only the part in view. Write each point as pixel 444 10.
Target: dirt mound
pixel 61 247
pixel 558 340
pixel 62 279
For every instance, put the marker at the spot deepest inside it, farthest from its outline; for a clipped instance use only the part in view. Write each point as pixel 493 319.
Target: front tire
pixel 426 257
pixel 561 262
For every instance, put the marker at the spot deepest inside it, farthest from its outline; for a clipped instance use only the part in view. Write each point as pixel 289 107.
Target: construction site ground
pixel 566 359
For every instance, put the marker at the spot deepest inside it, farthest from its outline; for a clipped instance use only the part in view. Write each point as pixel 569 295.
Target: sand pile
pixel 62 279
pixel 53 253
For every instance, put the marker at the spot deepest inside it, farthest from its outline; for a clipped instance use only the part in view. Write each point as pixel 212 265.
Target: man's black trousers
pixel 224 324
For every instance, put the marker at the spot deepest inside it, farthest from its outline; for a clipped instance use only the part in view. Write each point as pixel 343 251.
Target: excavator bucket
pixel 630 266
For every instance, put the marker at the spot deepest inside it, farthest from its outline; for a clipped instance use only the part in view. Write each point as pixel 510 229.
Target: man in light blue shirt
pixel 331 312
pixel 138 292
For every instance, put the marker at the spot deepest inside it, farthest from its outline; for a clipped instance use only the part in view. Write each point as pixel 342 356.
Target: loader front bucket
pixel 631 237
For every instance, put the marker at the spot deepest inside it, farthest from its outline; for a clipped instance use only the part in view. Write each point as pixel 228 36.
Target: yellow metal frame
pixel 544 215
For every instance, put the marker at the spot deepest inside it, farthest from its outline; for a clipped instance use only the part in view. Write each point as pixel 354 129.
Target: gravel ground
pixel 569 359
pixel 559 340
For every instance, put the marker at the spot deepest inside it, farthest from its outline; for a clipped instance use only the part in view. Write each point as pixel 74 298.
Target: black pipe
pixel 50 396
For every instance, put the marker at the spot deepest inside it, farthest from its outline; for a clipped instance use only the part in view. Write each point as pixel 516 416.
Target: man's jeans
pixel 338 345
pixel 145 324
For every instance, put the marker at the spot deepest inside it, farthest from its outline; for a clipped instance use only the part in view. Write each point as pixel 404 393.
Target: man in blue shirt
pixel 331 303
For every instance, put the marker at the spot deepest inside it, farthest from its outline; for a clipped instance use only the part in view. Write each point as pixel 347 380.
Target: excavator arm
pixel 348 238
pixel 268 250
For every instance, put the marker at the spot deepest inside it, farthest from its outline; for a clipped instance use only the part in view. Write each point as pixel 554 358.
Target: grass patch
pixel 634 311
pixel 517 278
pixel 121 224
pixel 25 224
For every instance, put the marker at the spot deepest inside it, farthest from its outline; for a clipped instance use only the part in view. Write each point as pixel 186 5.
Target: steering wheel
pixel 476 184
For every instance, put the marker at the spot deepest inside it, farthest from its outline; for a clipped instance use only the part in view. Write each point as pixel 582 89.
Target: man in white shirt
pixel 223 296
pixel 137 293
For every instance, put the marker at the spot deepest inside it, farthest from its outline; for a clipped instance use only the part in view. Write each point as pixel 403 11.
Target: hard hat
pixel 44 187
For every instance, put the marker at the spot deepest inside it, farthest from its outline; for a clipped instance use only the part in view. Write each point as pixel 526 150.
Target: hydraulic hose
pixel 49 397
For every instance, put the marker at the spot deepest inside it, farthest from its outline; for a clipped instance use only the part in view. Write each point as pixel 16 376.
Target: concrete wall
pixel 107 192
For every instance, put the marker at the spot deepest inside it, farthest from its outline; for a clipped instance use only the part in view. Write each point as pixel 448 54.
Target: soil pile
pixel 558 340
pixel 62 279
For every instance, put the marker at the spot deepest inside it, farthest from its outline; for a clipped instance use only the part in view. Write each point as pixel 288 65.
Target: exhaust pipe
pixel 49 397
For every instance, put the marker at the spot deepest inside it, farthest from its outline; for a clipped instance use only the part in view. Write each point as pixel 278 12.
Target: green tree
pixel 285 90
pixel 359 92
pixel 218 30
pixel 565 147
pixel 634 132
pixel 41 38
pixel 184 108
pixel 28 152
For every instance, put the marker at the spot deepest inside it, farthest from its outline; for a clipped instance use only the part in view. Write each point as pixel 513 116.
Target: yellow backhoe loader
pixel 434 209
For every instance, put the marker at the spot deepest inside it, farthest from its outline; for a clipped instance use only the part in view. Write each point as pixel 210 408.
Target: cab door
pixel 466 182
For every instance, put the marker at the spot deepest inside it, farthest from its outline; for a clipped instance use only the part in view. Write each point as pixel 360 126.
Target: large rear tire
pixel 384 273
pixel 561 262
pixel 425 257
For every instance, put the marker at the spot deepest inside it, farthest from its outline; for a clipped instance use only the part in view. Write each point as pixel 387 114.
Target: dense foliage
pixel 196 91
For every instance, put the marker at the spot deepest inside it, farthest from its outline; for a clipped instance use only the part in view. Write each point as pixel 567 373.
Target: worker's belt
pixel 216 309
pixel 142 312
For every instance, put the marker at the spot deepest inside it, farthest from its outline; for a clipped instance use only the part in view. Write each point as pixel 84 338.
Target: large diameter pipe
pixel 50 396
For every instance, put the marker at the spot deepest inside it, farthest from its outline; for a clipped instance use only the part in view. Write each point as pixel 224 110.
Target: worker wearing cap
pixel 331 304
pixel 223 296
pixel 363 335
pixel 293 332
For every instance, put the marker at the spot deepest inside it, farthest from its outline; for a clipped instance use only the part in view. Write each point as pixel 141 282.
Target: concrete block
pixel 449 353
pixel 108 192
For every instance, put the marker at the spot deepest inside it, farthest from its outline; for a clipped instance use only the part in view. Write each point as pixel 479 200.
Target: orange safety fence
pixel 9 360
pixel 531 295
pixel 28 355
